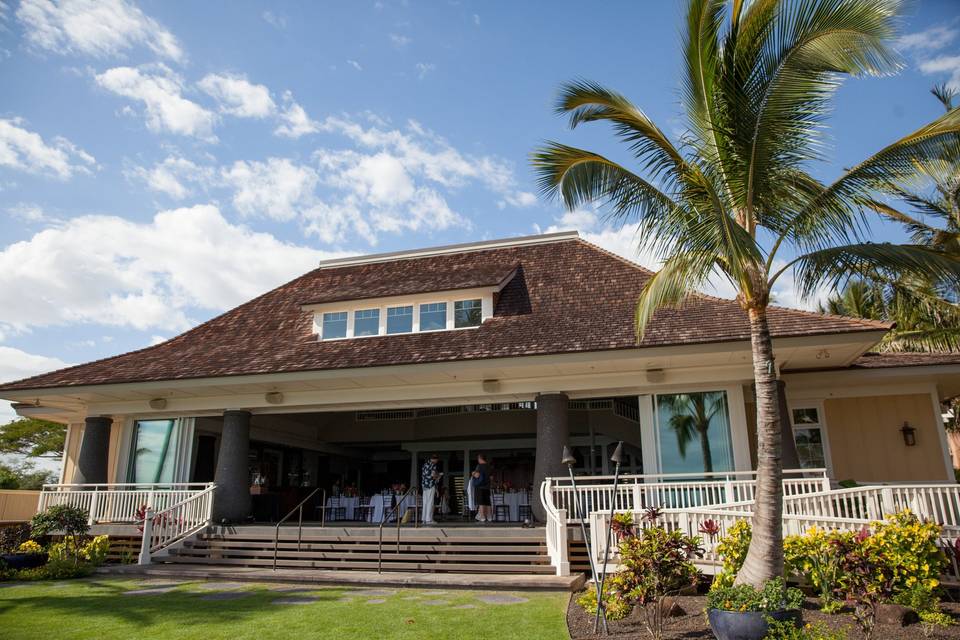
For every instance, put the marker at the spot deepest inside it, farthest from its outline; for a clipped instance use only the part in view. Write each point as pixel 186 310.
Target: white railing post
pixel 94 503
pixel 886 497
pixel 728 491
pixel 637 498
pixel 563 553
pixel 826 482
pixel 147 537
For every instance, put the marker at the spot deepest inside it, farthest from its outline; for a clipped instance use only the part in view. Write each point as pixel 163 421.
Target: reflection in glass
pixel 694 432
pixel 154 451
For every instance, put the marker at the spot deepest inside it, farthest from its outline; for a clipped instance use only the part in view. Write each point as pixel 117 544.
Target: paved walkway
pixel 510 582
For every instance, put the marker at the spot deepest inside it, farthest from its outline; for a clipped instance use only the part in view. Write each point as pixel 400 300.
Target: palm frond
pixel 682 274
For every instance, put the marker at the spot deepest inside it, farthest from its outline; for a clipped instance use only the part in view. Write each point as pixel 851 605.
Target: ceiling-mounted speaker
pixel 274 397
pixel 655 375
pixel 158 404
pixel 491 386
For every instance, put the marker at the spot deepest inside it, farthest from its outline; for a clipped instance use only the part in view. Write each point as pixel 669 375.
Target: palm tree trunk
pixel 764 559
pixel 705 448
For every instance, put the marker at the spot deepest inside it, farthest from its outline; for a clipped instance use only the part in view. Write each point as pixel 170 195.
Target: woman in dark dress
pixel 482 487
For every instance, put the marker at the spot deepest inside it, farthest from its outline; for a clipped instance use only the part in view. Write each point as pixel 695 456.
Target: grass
pixel 97 608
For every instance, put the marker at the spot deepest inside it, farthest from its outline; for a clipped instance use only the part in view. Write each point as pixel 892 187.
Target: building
pixel 352 374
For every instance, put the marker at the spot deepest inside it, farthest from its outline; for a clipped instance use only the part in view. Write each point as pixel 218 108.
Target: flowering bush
pixel 61 518
pixel 733 551
pixel 616 608
pixel 780 630
pixel 94 551
pixel 30 547
pixel 814 556
pixel 907 549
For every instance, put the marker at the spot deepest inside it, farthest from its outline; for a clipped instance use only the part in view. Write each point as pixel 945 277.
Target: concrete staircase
pixel 455 549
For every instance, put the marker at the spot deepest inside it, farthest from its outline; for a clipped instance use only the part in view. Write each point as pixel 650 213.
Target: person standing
pixel 481 477
pixel 429 477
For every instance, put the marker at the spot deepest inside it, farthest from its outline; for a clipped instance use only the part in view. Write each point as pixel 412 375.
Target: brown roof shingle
pixel 567 296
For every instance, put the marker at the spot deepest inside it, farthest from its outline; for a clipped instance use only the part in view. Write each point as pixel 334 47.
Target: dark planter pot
pixel 24 560
pixel 747 625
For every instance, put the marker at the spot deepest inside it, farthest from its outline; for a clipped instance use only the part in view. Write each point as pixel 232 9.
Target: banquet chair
pixel 336 508
pixel 501 511
pixel 363 510
pixel 525 512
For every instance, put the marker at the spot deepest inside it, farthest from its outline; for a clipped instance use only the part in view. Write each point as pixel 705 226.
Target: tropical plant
pixel 732 548
pixel 772 596
pixel 813 555
pixel 71 522
pixel 736 199
pixel 614 608
pixel 780 630
pixel 691 415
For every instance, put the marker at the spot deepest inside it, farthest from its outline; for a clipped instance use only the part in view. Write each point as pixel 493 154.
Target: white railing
pixel 669 491
pixel 118 503
pixel 166 527
pixel 556 533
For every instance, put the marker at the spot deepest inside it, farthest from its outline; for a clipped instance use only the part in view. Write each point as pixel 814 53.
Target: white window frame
pixel 349 331
pixel 817 405
pixel 446 316
pixel 414 319
pixel 472 299
pixel 352 319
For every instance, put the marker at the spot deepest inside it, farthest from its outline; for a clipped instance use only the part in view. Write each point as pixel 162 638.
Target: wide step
pixel 435 550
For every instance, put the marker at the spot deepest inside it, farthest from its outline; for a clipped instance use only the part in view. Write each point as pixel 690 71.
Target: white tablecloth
pixel 513 500
pixel 378 501
pixel 349 504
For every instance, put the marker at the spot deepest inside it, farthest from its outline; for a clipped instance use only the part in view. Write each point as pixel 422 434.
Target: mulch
pixel 694 624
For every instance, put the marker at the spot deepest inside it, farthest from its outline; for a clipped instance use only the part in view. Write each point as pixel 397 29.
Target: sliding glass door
pixel 693 432
pixel 155 447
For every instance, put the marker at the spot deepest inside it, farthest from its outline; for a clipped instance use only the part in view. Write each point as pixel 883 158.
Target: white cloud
pixel 476 19
pixel 16 364
pixel 355 65
pixel 399 40
pixel 27 151
pixel 160 90
pixel 423 68
pixel 934 38
pixel 106 270
pixel 172 176
pixel 99 28
pixel 944 64
pixel 238 96
pixel 294 121
pixel 27 212
pixel 277 188
pixel 274 20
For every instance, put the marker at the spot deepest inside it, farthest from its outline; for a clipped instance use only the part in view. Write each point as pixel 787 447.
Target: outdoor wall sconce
pixel 909 434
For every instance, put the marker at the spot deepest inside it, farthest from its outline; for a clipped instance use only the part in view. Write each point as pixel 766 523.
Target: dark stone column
pixel 553 431
pixel 788 450
pixel 231 500
pixel 94 452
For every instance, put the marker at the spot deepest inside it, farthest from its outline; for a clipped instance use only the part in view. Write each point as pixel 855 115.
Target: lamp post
pixel 616 458
pixel 569 460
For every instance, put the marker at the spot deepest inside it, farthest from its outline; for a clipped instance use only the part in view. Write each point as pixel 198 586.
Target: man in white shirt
pixel 429 477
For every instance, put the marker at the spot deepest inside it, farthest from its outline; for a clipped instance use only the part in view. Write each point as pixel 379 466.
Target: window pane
pixel 807 415
pixel 366 322
pixel 335 325
pixel 433 316
pixel 466 313
pixel 810 448
pixel 154 451
pixel 400 319
pixel 693 430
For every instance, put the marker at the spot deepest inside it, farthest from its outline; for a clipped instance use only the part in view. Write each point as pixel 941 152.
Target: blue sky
pixel 161 162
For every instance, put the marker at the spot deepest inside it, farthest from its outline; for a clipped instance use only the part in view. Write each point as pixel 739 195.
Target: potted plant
pixel 742 612
pixel 17 550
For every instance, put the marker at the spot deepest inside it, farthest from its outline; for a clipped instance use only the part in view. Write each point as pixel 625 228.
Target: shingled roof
pixel 566 296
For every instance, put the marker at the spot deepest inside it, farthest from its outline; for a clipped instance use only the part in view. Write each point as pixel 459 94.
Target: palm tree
pixel 691 415
pixel 735 198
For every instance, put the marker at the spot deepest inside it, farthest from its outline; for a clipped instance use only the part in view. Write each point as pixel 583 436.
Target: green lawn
pixel 97 608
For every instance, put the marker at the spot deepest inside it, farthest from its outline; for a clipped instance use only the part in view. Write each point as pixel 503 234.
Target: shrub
pixel 56 569
pixel 785 630
pixel 908 550
pixel 30 547
pixel 814 556
pixel 95 552
pixel 733 550
pixel 61 518
pixel 655 564
pixel 12 537
pixel 774 596
pixel 932 620
pixel 623 525
pixel 616 608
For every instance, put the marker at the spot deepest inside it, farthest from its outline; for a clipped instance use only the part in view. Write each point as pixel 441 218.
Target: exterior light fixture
pixel 909 435
pixel 654 375
pixel 158 404
pixel 274 397
pixel 491 386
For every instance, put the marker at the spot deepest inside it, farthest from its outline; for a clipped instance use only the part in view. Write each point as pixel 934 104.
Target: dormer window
pixel 366 322
pixel 467 313
pixel 400 319
pixel 433 316
pixel 335 325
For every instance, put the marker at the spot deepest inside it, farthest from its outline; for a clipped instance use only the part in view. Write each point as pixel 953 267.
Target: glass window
pixel 154 451
pixel 433 316
pixel 335 325
pixel 366 322
pixel 467 313
pixel 808 436
pixel 400 319
pixel 693 430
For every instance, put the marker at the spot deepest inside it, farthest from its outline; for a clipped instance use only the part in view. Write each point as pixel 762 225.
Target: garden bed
pixel 693 625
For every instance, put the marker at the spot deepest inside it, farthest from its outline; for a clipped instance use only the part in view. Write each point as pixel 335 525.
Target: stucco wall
pixel 866 443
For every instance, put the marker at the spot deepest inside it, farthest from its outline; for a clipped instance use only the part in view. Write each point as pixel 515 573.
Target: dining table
pixel 381 505
pixel 349 504
pixel 513 499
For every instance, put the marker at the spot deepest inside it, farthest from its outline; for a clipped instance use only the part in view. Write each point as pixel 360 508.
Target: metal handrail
pixel 299 507
pixel 386 518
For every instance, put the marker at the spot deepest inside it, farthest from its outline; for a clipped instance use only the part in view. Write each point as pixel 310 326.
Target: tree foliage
pixel 33 438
